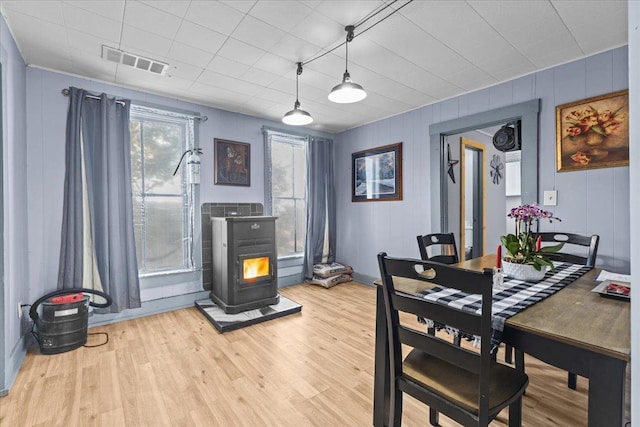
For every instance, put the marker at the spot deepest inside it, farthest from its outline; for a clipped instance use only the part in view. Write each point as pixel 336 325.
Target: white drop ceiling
pixel 241 55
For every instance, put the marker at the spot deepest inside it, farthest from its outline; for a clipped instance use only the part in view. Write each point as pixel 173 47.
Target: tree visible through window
pixel 160 200
pixel 288 193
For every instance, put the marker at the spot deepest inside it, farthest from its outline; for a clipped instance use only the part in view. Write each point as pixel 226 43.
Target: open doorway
pixel 472 199
pixel 445 136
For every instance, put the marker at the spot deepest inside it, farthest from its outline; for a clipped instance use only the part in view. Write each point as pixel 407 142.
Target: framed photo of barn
pixel 377 174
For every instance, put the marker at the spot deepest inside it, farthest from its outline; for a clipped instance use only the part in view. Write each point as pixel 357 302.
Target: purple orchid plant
pixel 521 246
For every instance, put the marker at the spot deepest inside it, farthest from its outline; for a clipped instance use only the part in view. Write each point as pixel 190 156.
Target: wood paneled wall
pixel 589 202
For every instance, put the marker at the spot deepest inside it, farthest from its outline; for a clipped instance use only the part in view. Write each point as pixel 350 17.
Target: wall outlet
pixel 551 198
pixel 19 309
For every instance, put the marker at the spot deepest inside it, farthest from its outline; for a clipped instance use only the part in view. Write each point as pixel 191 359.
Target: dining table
pixel 574 329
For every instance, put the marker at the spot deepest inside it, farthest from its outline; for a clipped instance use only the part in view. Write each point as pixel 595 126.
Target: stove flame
pixel 255 267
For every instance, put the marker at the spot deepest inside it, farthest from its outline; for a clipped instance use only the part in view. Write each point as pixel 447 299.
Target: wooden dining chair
pixel 468 386
pixel 448 253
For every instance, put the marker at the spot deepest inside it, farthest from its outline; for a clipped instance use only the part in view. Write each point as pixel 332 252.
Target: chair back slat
pixel 440 348
pixel 589 243
pixel 459 319
pixel 436 274
pixel 447 244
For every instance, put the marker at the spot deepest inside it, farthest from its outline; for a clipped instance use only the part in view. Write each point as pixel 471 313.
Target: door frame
pixel 480 147
pixel 526 112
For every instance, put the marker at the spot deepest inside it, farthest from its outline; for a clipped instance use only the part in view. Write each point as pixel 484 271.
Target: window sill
pixel 167 273
pixel 288 257
pixel 169 278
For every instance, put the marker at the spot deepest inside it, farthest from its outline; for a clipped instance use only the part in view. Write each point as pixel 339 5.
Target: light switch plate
pixel 551 198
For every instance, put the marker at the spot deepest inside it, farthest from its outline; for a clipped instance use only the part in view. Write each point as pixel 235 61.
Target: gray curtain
pixel 98 247
pixel 321 205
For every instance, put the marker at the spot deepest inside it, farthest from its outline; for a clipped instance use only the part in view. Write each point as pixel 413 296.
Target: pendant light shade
pixel 297 116
pixel 347 91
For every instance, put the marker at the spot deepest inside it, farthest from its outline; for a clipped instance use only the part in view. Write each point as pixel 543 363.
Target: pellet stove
pixel 244 255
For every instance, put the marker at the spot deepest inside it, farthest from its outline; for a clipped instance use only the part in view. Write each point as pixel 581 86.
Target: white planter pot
pixel 525 272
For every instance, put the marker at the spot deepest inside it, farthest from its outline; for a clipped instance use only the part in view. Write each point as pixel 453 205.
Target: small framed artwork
pixel 377 174
pixel 232 163
pixel 593 133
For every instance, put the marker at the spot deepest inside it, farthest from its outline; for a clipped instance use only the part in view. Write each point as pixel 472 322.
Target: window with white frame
pixel 286 157
pixel 162 203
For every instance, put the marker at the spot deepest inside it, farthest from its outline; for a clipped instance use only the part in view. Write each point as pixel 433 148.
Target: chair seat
pixel 461 386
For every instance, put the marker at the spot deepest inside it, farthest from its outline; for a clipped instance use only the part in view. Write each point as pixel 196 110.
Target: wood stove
pixel 245 275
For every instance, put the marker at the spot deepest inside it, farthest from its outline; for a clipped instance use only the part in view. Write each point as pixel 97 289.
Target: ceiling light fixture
pixel 347 91
pixel 297 116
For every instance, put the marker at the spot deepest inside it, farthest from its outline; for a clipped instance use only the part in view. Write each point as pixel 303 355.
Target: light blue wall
pixel 14 150
pixel 589 202
pixel 42 173
pixel 47 109
pixel 33 179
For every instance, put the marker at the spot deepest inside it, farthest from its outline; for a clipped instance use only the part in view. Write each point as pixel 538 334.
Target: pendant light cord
pixel 353 36
pixel 298 72
pixel 346 57
pixel 377 12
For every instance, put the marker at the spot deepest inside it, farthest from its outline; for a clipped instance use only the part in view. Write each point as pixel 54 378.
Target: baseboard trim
pixel 364 279
pixel 149 308
pixel 294 279
pixel 16 358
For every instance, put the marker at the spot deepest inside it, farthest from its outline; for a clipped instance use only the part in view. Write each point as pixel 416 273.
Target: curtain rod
pixel 65 92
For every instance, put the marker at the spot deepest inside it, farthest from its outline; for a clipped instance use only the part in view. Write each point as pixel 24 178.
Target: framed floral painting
pixel 593 133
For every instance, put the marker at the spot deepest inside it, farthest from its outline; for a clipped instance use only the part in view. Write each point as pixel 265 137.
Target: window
pixel 288 185
pixel 163 219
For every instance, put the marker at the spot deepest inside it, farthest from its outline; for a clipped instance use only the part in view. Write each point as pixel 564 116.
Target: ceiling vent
pixel 135 61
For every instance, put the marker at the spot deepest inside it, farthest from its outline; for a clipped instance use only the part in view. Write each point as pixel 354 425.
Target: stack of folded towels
pixel 331 274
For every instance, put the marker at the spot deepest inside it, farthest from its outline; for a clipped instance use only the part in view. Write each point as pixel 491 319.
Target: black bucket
pixel 62 327
pixel 64 321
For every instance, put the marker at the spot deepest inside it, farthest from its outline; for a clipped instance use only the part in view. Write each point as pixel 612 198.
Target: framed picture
pixel 377 174
pixel 232 163
pixel 593 133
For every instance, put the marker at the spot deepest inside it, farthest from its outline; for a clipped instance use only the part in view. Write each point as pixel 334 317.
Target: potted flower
pixel 525 258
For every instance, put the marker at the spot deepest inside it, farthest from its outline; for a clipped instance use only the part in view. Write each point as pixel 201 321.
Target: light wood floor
pixel 314 368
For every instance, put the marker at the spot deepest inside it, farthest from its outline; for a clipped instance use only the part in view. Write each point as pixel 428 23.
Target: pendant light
pixel 297 116
pixel 347 91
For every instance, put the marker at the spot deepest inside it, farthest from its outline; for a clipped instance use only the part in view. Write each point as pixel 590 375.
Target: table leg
pixel 606 393
pixel 606 374
pixel 381 380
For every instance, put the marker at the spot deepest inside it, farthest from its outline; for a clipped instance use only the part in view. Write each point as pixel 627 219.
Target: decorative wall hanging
pixel 497 169
pixel 232 161
pixel 593 133
pixel 451 163
pixel 377 174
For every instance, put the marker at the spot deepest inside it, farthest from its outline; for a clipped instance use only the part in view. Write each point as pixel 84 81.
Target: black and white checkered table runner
pixel 509 299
